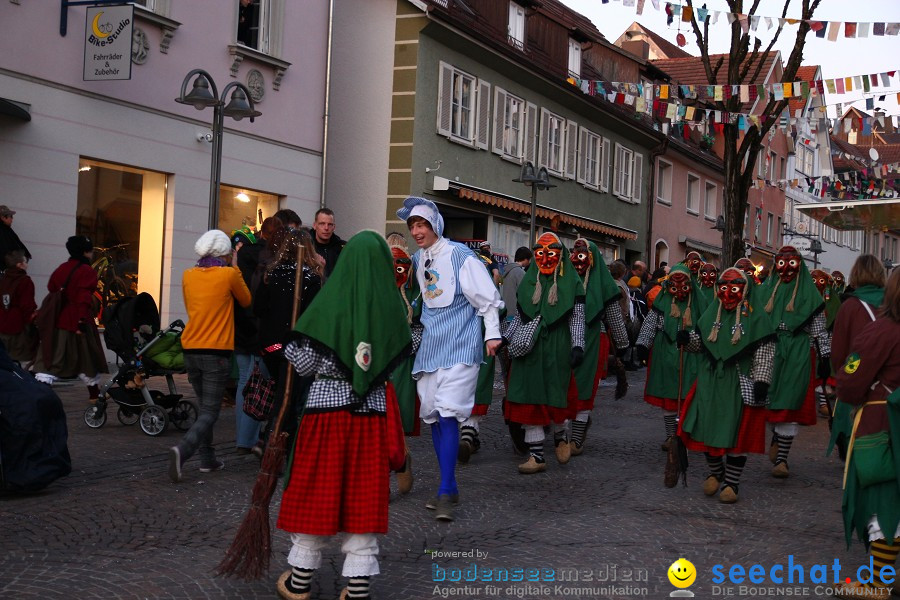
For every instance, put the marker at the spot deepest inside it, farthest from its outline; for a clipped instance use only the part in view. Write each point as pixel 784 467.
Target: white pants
pixel 447 393
pixel 875 532
pixel 360 553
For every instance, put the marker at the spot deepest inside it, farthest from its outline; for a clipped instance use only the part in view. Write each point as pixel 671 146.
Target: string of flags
pixel 830 30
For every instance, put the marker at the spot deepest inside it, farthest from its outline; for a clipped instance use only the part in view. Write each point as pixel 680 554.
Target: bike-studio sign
pixel 107 42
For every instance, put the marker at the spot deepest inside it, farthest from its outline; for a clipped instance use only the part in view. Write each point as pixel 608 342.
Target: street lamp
pixel 536 180
pixel 204 94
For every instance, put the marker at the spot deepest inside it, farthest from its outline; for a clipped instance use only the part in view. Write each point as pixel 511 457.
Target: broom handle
pixel 680 371
pixel 289 380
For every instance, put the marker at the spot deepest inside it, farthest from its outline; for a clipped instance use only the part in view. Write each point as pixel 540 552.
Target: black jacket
pixel 9 241
pixel 329 251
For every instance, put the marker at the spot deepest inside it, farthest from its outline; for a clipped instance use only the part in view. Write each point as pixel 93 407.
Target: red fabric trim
pixel 751 437
pixel 806 414
pixel 536 414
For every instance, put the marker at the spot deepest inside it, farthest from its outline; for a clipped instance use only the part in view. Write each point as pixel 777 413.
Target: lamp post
pixel 204 94
pixel 536 180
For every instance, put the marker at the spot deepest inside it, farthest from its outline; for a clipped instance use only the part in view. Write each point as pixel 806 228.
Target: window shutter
pixel 445 99
pixel 571 148
pixel 531 125
pixel 499 120
pixel 543 139
pixel 636 173
pixel 604 166
pixel 483 112
pixel 582 155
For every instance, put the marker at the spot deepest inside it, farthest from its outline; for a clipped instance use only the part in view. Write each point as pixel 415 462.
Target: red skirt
pixel 536 414
pixel 479 410
pixel 751 438
pixel 339 476
pixel 602 363
pixel 806 414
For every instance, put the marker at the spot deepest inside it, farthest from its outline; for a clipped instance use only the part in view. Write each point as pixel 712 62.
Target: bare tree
pixel 744 66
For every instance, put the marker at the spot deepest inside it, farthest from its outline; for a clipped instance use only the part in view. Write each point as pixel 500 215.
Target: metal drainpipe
pixel 327 102
pixel 651 199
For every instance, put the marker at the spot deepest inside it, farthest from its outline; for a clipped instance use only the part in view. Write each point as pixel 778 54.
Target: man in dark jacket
pixel 328 244
pixel 9 241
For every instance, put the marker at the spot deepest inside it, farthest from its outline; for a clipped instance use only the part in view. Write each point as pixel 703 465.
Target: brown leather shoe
pixel 711 485
pixel 532 466
pixel 575 449
pixel 665 445
pixel 781 470
pixel 286 594
pixel 405 477
pixel 563 452
pixel 728 495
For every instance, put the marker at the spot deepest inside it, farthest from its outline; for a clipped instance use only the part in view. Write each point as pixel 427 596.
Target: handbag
pixel 259 395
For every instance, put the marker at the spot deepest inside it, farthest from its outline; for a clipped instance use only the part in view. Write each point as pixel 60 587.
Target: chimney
pixel 639 48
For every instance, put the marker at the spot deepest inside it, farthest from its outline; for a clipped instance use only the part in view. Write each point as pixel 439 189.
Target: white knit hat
pixel 213 243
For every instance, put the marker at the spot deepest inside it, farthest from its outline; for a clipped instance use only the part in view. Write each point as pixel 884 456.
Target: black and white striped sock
pixel 300 580
pixel 670 425
pixel 734 466
pixel 467 434
pixel 579 430
pixel 559 437
pixel 358 587
pixel 537 451
pixel 784 447
pixel 716 466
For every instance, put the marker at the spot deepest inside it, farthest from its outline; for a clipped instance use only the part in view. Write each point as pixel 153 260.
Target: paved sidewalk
pixel 118 528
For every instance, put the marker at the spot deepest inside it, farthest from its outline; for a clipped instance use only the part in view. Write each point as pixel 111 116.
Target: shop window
pixel 122 210
pixel 240 207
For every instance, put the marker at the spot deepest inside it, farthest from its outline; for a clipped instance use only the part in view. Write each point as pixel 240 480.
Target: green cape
pixel 569 287
pixel 870 294
pixel 358 315
pixel 404 384
pixel 755 324
pixel 601 288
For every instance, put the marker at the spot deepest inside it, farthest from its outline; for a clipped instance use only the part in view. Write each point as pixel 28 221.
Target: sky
pixel 842 58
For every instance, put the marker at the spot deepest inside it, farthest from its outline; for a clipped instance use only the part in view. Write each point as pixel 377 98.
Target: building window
pixel 663 182
pixel 122 209
pixel 253 19
pixel 593 159
pixel 627 174
pixel 782 170
pixel 710 201
pixel 463 107
pixel 553 131
pixel 515 29
pixel 693 194
pixel 509 124
pixel 761 160
pixel 148 4
pixel 805 159
pixel 770 226
pixel 574 58
pixel 241 206
pixel 778 232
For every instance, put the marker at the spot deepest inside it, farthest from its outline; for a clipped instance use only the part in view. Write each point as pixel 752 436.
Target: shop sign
pixel 107 42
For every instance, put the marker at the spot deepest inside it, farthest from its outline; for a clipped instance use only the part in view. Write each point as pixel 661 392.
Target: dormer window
pixel 515 31
pixel 574 58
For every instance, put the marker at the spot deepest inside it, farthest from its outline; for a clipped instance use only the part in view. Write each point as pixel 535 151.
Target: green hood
pixel 601 288
pixel 358 314
pixel 663 305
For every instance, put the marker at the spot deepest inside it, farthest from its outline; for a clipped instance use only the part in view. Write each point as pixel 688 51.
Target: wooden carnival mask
pixel 731 287
pixel 694 261
pixel 708 274
pixel 548 251
pixel 679 285
pixel 787 263
pixel 402 266
pixel 581 257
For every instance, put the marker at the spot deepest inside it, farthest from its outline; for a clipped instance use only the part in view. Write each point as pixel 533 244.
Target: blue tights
pixel 445 435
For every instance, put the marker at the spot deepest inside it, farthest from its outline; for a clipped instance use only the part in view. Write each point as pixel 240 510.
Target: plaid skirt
pixel 339 476
pixel 751 437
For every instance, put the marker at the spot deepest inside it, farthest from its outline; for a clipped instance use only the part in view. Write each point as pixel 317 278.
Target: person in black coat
pixel 9 241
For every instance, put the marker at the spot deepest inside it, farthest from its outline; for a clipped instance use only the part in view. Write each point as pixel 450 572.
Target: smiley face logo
pixel 682 573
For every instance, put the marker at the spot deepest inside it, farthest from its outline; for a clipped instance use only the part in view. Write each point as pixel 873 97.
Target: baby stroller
pixel 132 332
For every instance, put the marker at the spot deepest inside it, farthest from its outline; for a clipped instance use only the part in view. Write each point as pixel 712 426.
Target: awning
pixel 855 214
pixel 17 110
pixel 698 245
pixel 544 212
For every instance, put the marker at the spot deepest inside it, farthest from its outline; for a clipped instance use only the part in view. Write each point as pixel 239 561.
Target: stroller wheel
pixel 94 417
pixel 153 420
pixel 184 415
pixel 127 417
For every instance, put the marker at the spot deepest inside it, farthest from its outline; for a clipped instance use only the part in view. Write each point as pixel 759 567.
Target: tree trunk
pixel 734 201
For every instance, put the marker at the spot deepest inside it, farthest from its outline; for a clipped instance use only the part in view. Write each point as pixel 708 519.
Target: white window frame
pixel 805 159
pixel 450 109
pixel 770 225
pixel 605 166
pixel 664 174
pixel 515 26
pixel 552 143
pixel 688 196
pixel 590 158
pixel 707 186
pixel 271 26
pixel 574 58
pixel 509 125
pixel 627 174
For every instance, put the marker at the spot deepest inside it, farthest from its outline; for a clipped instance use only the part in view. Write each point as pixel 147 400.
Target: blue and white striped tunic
pixel 453 333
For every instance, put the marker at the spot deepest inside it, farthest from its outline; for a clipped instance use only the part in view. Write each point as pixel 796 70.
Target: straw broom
pixel 249 553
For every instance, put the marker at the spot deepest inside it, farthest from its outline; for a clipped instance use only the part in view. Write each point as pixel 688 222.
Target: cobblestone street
pixel 118 528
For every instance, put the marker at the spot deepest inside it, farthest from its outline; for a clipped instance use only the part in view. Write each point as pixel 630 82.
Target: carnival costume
pixel 676 308
pixel 796 309
pixel 726 413
pixel 546 341
pixel 707 277
pixel 457 296
pixel 870 380
pixel 825 285
pixel 351 337
pixel 602 318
